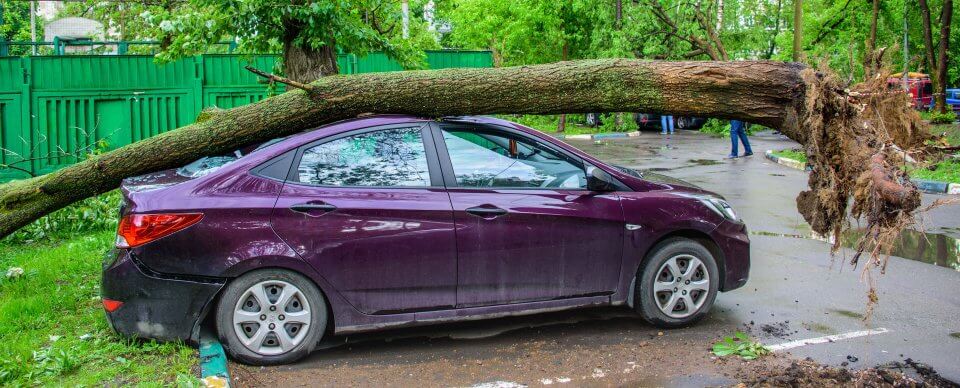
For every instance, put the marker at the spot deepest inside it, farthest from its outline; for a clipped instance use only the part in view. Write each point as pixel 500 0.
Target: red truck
pixel 919 86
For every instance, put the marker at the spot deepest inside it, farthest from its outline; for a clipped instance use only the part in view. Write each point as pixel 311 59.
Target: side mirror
pixel 599 180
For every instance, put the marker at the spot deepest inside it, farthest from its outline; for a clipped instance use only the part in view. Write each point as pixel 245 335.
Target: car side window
pixel 389 157
pixel 490 159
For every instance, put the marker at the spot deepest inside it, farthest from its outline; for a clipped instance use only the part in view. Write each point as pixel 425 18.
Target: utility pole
pixel 405 11
pixel 33 25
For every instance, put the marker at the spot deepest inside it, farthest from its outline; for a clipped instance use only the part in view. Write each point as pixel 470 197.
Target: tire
pixel 691 123
pixel 296 327
pixel 653 306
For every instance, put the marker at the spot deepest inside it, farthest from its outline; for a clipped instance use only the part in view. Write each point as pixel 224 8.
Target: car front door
pixel 527 228
pixel 363 209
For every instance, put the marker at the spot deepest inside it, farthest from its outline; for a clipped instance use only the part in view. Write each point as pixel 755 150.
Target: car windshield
pixel 209 164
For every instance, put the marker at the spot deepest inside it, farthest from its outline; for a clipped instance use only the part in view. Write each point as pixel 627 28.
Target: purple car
pixel 393 221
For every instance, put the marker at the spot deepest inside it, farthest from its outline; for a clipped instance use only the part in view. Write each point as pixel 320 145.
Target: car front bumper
pixel 733 240
pixel 155 306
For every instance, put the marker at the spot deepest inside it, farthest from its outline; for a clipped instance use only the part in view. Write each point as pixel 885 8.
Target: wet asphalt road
pixel 796 291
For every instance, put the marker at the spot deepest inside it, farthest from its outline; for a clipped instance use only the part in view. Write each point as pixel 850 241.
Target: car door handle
pixel 309 207
pixel 486 211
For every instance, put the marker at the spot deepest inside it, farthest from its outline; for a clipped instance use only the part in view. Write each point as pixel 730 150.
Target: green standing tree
pixel 937 56
pixel 15 25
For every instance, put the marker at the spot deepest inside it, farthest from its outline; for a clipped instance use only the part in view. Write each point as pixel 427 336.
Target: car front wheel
pixel 270 317
pixel 677 284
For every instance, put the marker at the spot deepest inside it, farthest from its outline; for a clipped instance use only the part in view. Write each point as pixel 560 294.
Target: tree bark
pixel 305 64
pixel 776 31
pixel 946 16
pixel 785 96
pixel 936 55
pixel 618 14
pixel 797 30
pixel 870 64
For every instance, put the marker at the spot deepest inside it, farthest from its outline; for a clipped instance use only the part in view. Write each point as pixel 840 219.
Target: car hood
pixel 661 181
pixel 667 180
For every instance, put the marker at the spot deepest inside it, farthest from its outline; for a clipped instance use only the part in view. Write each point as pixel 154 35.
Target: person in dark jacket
pixel 738 132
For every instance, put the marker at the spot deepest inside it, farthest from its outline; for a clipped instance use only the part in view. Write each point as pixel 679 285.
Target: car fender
pixel 653 223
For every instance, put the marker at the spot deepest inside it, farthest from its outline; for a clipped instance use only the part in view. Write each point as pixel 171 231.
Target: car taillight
pixel 111 305
pixel 138 229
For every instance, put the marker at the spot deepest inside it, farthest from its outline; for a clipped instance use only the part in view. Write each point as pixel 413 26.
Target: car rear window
pixel 209 164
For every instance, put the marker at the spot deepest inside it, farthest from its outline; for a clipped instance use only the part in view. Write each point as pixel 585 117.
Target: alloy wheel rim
pixel 681 286
pixel 271 317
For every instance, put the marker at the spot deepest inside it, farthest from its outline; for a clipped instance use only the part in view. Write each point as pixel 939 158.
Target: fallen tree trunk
pixel 850 138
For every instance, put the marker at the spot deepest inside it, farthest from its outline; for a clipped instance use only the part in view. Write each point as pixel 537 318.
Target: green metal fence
pixel 53 108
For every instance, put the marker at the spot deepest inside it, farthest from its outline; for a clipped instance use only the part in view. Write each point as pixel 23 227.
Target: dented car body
pixel 483 218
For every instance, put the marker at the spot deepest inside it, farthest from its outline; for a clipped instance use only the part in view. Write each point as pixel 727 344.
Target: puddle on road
pixel 819 328
pixel 931 248
pixel 955 335
pixel 704 162
pixel 848 313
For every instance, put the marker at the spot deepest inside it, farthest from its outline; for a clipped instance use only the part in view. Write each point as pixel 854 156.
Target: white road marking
pixel 499 384
pixel 825 339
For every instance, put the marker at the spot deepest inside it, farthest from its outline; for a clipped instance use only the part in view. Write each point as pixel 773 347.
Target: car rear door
pixel 527 228
pixel 367 209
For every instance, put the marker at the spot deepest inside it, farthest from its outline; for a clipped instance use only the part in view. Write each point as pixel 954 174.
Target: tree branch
pixel 276 78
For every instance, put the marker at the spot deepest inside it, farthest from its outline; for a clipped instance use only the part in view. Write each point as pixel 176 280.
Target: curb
pixel 795 164
pixel 213 362
pixel 599 136
pixel 933 187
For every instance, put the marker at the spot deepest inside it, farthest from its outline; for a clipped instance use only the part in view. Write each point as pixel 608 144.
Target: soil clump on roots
pixel 857 140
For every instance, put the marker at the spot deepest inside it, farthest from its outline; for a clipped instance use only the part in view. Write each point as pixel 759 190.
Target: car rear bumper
pixel 155 306
pixel 733 240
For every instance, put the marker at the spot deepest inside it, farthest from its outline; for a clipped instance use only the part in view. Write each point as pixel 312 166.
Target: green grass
pixel 791 154
pixel 951 131
pixel 944 171
pixel 53 328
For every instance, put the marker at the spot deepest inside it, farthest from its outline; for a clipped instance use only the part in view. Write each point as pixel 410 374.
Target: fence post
pixel 27 122
pixel 198 83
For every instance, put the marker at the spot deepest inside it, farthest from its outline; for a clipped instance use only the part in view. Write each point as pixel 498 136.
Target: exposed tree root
pixel 859 140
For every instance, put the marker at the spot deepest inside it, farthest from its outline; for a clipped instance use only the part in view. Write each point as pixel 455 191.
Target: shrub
pixel 716 127
pixel 89 215
pixel 943 118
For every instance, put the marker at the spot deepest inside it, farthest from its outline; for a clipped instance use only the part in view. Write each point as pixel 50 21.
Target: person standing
pixel 666 122
pixel 738 132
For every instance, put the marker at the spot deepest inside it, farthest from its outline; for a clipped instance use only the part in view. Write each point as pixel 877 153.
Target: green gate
pixel 54 108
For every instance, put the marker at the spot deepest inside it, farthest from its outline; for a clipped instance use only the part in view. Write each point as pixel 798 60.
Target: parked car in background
pixel 953 99
pixel 652 121
pixel 392 221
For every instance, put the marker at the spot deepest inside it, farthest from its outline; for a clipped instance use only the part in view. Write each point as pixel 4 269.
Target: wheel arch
pixel 692 234
pixel 206 319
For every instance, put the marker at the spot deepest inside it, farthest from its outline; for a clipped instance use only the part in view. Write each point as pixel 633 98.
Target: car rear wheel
pixel 271 316
pixel 677 284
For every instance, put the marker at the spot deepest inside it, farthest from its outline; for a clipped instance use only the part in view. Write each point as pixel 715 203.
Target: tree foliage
pixel 835 32
pixel 15 25
pixel 190 27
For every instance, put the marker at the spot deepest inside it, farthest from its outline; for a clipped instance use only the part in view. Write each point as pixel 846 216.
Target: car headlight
pixel 718 205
